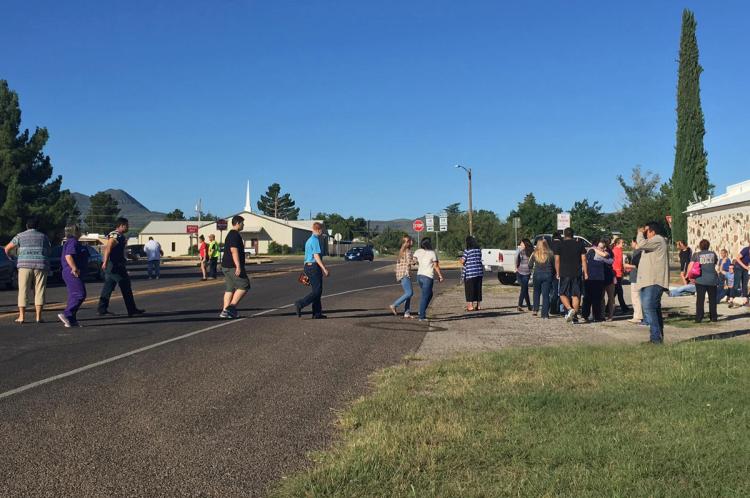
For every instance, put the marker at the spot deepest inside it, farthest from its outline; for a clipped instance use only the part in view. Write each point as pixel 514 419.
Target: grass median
pixel 630 421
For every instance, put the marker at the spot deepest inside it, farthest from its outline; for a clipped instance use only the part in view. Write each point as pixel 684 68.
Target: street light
pixel 468 172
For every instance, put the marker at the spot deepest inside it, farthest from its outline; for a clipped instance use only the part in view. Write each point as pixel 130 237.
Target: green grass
pixel 630 421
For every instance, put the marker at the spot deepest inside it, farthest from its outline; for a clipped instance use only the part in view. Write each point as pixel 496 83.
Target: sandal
pixel 19 321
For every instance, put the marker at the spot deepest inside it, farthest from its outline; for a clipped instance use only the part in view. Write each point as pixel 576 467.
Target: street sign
pixel 429 222
pixel 191 229
pixel 418 225
pixel 563 221
pixel 221 225
pixel 516 222
pixel 337 237
pixel 443 221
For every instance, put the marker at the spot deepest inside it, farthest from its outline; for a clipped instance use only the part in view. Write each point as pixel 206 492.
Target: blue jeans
pixel 542 284
pixel 406 297
pixel 425 286
pixel 153 267
pixel 315 274
pixel 651 303
pixel 683 290
pixel 524 294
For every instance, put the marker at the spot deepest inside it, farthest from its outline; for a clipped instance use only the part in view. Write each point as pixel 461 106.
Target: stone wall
pixel 725 228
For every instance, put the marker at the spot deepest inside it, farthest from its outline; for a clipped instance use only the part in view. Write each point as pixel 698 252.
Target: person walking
pixel 203 255
pixel 570 263
pixel 153 258
pixel 618 265
pixel 403 267
pixel 653 277
pixel 115 272
pixel 706 282
pixel 542 267
pixel 428 265
pixel 213 255
pixel 523 274
pixel 74 261
pixel 686 255
pixel 635 290
pixel 32 260
pixel 598 259
pixel 473 271
pixel 315 270
pixel 741 272
pixel 236 280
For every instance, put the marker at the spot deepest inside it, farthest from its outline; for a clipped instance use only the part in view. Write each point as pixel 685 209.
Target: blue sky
pixel 363 108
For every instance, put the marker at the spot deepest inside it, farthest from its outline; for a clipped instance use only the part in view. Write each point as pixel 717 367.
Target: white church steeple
pixel 248 207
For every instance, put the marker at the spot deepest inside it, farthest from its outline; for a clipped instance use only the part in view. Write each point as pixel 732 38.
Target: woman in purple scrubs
pixel 75 258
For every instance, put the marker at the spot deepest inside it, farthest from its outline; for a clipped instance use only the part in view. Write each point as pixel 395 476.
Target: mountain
pixel 401 224
pixel 138 214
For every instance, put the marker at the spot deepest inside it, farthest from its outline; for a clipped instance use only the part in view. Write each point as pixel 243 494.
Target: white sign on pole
pixel 443 221
pixel 516 222
pixel 563 221
pixel 429 222
pixel 337 237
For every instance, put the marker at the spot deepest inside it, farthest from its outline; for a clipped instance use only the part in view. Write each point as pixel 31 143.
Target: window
pixel 174 246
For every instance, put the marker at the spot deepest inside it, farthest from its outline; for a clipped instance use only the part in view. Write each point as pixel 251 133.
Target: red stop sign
pixel 418 225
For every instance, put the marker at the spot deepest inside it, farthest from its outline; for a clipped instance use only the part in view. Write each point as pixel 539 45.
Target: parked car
pixel 93 269
pixel 503 261
pixel 8 271
pixel 135 252
pixel 360 253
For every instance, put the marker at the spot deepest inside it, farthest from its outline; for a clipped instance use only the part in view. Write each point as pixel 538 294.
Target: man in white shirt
pixel 153 253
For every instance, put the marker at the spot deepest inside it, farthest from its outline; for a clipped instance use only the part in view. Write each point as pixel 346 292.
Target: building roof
pixel 738 193
pixel 171 226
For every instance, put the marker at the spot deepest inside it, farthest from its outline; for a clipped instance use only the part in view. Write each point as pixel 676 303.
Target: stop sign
pixel 418 225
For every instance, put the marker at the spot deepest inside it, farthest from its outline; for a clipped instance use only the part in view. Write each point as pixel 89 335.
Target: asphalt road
pixel 223 412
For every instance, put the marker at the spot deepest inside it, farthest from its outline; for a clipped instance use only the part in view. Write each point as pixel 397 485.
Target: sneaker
pixel 298 309
pixel 570 315
pixel 232 310
pixel 136 312
pixel 65 320
pixel 393 310
pixel 225 314
pixel 408 315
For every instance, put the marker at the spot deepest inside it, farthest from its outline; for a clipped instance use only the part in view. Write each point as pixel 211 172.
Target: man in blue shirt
pixel 315 270
pixel 741 271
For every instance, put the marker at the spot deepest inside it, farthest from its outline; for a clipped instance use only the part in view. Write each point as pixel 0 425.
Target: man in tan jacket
pixel 653 276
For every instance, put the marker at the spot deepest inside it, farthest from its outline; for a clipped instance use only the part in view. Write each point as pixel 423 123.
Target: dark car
pixel 135 252
pixel 548 238
pixel 8 272
pixel 93 269
pixel 363 253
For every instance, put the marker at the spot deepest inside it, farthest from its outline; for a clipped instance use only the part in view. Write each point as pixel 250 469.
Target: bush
pixel 274 248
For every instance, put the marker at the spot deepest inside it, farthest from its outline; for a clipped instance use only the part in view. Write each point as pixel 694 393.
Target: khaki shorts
pixel 232 282
pixel 28 279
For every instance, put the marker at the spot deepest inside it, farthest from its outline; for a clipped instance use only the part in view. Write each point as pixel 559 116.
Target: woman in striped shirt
pixel 473 273
pixel 403 265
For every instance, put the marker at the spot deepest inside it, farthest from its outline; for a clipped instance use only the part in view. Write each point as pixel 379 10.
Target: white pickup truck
pixel 503 261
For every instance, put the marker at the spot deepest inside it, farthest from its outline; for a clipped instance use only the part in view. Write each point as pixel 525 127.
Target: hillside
pixel 138 214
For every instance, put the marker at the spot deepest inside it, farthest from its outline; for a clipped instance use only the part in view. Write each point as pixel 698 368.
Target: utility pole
pixel 471 221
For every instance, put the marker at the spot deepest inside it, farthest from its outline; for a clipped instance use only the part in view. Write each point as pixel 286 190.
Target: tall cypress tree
pixel 689 176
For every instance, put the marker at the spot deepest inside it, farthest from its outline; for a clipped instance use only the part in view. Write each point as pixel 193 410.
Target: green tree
pixel 25 172
pixel 535 218
pixel 388 241
pixel 204 217
pixel 176 215
pixel 349 228
pixel 277 205
pixel 587 219
pixel 102 214
pixel 689 178
pixel 646 199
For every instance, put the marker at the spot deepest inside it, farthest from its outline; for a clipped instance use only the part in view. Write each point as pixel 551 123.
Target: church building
pixel 259 232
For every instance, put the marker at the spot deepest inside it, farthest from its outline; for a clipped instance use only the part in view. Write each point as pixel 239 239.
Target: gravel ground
pixel 500 325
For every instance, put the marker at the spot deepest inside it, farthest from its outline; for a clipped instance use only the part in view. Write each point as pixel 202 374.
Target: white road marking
pixel 90 366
